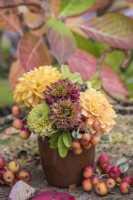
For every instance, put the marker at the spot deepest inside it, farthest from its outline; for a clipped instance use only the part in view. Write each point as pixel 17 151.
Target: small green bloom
pixel 39 121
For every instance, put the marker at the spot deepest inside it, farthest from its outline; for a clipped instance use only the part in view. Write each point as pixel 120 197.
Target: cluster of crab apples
pixel 102 185
pixel 11 172
pixel 86 141
pixel 24 132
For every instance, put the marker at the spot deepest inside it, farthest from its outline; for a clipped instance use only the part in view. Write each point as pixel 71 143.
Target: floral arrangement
pixel 60 106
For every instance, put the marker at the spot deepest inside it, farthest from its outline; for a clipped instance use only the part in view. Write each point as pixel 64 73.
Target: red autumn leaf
pixel 15 72
pixel 85 64
pixel 32 52
pixel 9 20
pixel 61 40
pixel 12 3
pixel 114 29
pixel 47 195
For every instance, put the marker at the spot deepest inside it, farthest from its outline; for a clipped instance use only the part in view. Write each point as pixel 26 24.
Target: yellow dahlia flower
pixel 95 107
pixel 31 86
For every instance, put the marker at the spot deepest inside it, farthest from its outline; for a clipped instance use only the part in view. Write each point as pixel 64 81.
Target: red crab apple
pixel 14 166
pixel 86 137
pixel 128 179
pixel 2 171
pixel 24 175
pixel 87 147
pixel 77 150
pixel 9 177
pixel 124 187
pixel 118 180
pixel 88 172
pixel 87 185
pixel 15 110
pixel 101 189
pixel 114 172
pixel 75 145
pixel 107 169
pixel 24 133
pixel 95 180
pixel 18 124
pixel 95 140
pixel 110 183
pixel 2 162
pixel 103 158
pixel 96 125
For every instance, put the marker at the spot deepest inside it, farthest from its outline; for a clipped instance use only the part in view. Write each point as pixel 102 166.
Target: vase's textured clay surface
pixel 62 172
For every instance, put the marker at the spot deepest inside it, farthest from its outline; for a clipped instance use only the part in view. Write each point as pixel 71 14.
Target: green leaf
pixel 65 71
pixel 105 138
pixel 95 82
pixel 76 78
pixel 62 149
pixel 76 7
pixel 67 139
pixel 61 40
pixel 124 167
pixel 54 140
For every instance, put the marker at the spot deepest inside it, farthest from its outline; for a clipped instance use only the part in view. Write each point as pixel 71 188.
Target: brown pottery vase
pixel 63 172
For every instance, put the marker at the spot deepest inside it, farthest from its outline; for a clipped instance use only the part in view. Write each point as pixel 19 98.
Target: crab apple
pixel 14 166
pixel 101 189
pixel 107 169
pixel 103 158
pixel 114 172
pixel 18 124
pixel 2 162
pixel 95 140
pixel 9 177
pixel 77 150
pixel 86 137
pixel 128 179
pixel 124 188
pixel 24 174
pixel 118 180
pixel 103 166
pixel 96 125
pixel 110 183
pixel 83 142
pixel 88 172
pixel 87 147
pixel 15 110
pixel 2 171
pixel 75 145
pixel 87 185
pixel 24 133
pixel 95 180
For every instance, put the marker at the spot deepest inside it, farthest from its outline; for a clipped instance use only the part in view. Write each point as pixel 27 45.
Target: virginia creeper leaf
pixel 77 6
pixel 15 72
pixel 65 71
pixel 32 52
pixel 67 139
pixel 85 64
pixel 12 3
pixel 61 40
pixel 9 20
pixel 63 150
pixel 114 29
pixel 89 6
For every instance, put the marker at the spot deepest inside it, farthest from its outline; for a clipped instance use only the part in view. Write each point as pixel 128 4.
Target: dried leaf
pixel 12 3
pixel 15 72
pixel 114 29
pixel 32 52
pixel 61 40
pixel 9 20
pixel 85 64
pixel 55 6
